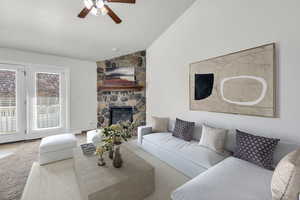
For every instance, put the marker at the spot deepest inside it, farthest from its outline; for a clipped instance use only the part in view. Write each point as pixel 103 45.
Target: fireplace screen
pixel 120 114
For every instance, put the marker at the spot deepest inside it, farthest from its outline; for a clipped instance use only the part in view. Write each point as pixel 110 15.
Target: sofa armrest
pixel 143 130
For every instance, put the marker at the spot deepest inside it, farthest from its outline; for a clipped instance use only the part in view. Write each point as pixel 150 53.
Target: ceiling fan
pixel 97 7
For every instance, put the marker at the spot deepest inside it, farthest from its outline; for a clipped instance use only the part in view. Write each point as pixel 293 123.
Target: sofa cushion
pixel 183 129
pixel 189 151
pixel 282 149
pixel 255 149
pixel 285 183
pixel 232 179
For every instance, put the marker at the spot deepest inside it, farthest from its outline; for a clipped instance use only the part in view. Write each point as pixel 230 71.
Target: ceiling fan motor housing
pixel 100 6
pixel 99 3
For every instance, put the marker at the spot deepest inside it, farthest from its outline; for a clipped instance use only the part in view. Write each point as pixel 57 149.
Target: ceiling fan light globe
pixel 88 4
pixel 95 11
pixel 100 4
pixel 104 11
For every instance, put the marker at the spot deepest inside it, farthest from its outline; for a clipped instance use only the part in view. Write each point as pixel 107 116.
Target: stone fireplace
pixel 120 114
pixel 113 101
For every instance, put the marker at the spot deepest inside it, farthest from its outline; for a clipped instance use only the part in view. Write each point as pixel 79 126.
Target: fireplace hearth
pixel 120 114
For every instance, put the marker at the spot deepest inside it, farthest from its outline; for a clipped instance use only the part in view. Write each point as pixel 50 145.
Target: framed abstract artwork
pixel 238 83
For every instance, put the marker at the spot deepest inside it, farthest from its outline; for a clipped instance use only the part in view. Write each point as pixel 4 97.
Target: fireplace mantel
pixel 114 88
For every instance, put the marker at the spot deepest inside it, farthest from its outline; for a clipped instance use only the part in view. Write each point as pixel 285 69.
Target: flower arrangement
pixel 115 135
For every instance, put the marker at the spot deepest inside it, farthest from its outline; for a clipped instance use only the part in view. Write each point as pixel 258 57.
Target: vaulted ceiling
pixel 52 27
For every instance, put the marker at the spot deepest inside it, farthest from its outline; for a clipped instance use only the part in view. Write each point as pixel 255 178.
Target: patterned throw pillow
pixel 183 129
pixel 255 149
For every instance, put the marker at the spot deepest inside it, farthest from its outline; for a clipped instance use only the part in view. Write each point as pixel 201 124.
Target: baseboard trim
pixel 34 136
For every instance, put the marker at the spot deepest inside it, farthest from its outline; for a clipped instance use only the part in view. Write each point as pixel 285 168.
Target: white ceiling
pixel 52 27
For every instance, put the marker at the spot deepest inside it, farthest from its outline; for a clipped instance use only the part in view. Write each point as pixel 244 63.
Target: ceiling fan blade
pixel 84 12
pixel 121 1
pixel 113 15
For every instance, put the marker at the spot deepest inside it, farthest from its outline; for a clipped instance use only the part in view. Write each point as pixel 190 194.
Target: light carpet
pixel 57 181
pixel 14 169
pixel 16 160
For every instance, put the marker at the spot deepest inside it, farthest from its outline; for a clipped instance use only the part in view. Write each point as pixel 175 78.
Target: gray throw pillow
pixel 183 129
pixel 255 149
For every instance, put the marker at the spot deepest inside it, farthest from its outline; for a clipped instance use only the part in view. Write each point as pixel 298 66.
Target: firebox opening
pixel 120 114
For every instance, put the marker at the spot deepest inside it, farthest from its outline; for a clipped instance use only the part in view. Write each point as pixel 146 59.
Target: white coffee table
pixel 134 181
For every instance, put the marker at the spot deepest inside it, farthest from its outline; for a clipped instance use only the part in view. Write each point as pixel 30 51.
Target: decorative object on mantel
pixel 112 138
pixel 118 78
pixel 237 83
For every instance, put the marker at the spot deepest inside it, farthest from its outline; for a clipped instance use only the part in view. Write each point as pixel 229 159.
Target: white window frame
pixel 64 100
pixel 25 71
pixel 20 104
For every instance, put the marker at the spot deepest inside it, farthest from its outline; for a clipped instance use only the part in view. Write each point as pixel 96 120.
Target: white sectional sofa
pixel 213 176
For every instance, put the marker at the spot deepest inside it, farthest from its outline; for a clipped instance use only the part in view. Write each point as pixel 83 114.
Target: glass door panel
pixel 8 112
pixel 33 101
pixel 47 108
pixel 12 103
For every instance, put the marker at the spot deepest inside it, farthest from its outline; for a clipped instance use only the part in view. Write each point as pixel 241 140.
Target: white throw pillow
pixel 213 138
pixel 160 124
pixel 285 183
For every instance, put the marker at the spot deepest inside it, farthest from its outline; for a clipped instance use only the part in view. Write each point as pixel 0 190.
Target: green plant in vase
pixel 111 136
pixel 115 135
pixel 99 152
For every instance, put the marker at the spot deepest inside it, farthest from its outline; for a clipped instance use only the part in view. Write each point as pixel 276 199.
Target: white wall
pixel 212 28
pixel 83 76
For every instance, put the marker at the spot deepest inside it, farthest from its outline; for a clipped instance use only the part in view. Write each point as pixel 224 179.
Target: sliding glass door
pixel 12 102
pixel 33 102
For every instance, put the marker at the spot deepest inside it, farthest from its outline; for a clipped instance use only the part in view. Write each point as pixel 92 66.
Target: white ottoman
pixel 57 147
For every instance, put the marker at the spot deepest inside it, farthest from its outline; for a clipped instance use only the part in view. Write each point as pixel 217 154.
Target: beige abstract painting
pixel 238 83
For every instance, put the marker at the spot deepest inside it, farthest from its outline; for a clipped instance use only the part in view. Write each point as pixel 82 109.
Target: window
pixel 47 108
pixel 8 123
pixel 47 99
pixel 12 107
pixel 33 101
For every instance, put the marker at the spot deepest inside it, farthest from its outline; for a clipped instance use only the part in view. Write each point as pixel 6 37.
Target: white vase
pixel 97 137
